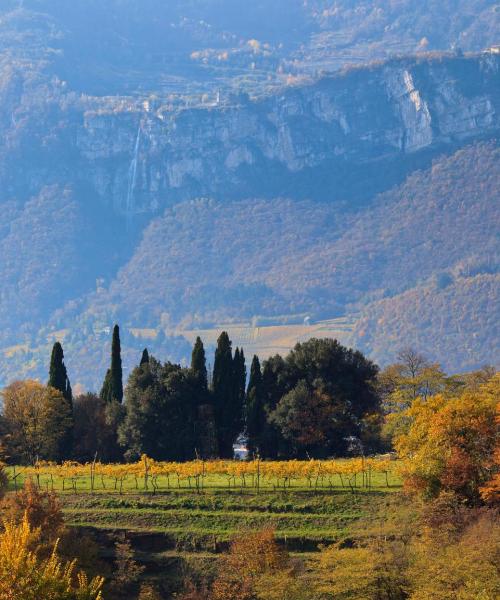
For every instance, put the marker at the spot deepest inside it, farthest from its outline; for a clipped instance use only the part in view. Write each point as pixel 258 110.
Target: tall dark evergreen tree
pixel 274 387
pixel 105 393
pixel 112 388
pixel 58 379
pixel 199 363
pixel 240 375
pixel 228 409
pixel 205 429
pixel 145 357
pixel 58 375
pixel 161 413
pixel 254 409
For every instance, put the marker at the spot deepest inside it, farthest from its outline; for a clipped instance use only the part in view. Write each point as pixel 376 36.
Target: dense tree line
pixel 310 403
pixel 445 430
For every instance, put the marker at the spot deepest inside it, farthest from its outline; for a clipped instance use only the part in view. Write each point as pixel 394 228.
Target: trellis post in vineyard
pixel 92 472
pixel 146 471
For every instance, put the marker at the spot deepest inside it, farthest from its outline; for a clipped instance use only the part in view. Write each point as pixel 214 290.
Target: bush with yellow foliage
pixel 450 442
pixel 24 575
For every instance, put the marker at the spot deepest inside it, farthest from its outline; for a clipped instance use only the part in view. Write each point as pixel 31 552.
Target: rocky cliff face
pixel 141 158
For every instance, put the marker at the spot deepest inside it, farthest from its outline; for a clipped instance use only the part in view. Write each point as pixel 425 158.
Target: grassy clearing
pixel 186 522
pixel 303 520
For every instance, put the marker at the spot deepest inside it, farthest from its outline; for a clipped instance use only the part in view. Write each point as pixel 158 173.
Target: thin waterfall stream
pixel 132 179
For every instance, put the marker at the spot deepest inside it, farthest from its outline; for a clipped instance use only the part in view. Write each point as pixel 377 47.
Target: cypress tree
pixel 58 375
pixel 273 389
pixel 205 429
pixel 240 374
pixel 105 393
pixel 58 379
pixel 69 393
pixel 255 413
pixel 144 358
pixel 112 388
pixel 199 364
pixel 116 365
pixel 228 411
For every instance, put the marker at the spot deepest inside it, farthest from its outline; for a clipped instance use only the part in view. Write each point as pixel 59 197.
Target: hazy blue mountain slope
pixel 53 249
pixel 118 46
pixel 116 115
pixel 455 320
pixel 438 218
pixel 203 261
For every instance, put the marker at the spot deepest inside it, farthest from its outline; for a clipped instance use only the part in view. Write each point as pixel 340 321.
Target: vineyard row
pixel 150 475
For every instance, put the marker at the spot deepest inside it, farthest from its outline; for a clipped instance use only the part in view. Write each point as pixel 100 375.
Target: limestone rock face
pixel 364 115
pixel 138 157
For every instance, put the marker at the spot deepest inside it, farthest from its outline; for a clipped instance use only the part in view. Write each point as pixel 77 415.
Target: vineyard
pixel 148 475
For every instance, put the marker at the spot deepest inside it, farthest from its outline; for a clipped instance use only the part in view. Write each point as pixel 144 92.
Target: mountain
pixel 120 47
pixel 394 267
pixel 188 164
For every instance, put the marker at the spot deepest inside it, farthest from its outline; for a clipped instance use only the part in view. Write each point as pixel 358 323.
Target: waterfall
pixel 132 178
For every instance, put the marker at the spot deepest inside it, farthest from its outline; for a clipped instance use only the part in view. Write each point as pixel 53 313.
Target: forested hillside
pixel 398 267
pixel 117 47
pixel 320 159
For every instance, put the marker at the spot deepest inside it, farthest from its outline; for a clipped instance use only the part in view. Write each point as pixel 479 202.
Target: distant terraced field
pixel 266 340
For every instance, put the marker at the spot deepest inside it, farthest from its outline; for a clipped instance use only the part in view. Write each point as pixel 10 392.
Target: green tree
pixel 205 429
pixel 139 402
pixel 94 430
pixel 240 375
pixel 228 408
pixel 58 380
pixel 255 411
pixel 144 357
pixel 58 375
pixel 112 388
pixel 160 412
pixel 337 381
pixel 199 364
pixel 308 419
pixel 274 387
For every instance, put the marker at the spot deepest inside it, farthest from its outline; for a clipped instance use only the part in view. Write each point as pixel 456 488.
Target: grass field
pixel 204 519
pixel 182 531
pixel 302 520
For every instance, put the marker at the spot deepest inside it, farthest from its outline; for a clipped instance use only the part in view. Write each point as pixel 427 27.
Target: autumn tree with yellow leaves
pixel 255 568
pixel 24 575
pixel 37 419
pixel 450 442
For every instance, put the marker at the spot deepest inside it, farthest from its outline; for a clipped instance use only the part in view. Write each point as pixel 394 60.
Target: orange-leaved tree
pixel 490 491
pixel 257 568
pixel 41 509
pixel 449 443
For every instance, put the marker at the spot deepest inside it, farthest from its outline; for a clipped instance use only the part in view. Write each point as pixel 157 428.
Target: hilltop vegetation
pixel 112 47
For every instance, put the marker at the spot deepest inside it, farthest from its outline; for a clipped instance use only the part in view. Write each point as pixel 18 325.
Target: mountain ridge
pixel 89 167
